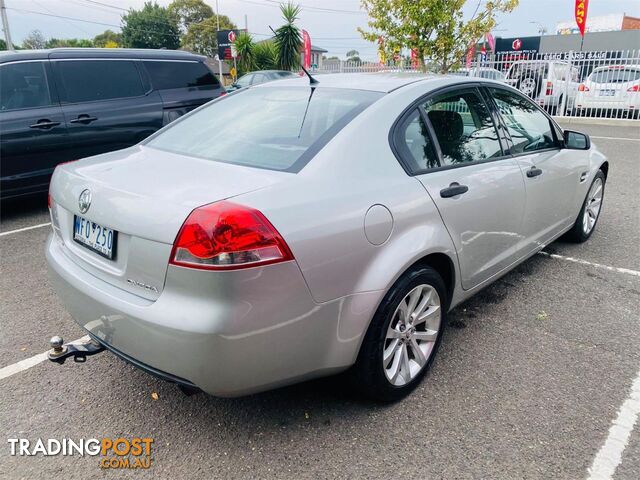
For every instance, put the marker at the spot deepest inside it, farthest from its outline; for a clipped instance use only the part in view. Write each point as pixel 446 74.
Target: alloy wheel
pixel 592 206
pixel 411 335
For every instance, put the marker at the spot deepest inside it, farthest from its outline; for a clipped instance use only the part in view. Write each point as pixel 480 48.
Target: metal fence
pixel 602 84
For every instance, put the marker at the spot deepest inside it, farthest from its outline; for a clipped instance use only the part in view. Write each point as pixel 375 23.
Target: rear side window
pixel 529 128
pixel 172 74
pixel 615 75
pixel 23 85
pixel 268 127
pixel 93 80
pixel 417 144
pixel 463 128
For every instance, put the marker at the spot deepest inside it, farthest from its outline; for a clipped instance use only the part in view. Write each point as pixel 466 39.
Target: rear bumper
pixel 228 333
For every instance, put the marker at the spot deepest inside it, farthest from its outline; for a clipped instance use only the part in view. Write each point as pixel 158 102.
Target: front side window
pixel 529 128
pixel 268 127
pixel 23 85
pixel 463 128
pixel 169 74
pixel 94 80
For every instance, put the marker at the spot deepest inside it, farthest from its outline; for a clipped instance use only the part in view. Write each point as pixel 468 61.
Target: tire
pixel 370 377
pixel 531 84
pixel 579 232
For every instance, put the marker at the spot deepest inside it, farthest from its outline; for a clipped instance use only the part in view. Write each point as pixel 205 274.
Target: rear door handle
pixel 84 119
pixel 534 172
pixel 454 189
pixel 44 124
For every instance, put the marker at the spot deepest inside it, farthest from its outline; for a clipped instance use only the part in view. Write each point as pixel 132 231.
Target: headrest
pixel 448 125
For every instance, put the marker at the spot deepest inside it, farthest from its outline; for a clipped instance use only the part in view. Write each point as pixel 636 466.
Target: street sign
pixel 225 40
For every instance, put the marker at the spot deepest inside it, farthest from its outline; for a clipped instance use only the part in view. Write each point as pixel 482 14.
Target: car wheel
pixel 530 86
pixel 590 212
pixel 404 336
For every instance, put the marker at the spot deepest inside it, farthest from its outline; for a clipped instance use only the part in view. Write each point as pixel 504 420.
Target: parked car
pixel 482 72
pixel 547 82
pixel 261 76
pixel 63 104
pixel 296 230
pixel 613 90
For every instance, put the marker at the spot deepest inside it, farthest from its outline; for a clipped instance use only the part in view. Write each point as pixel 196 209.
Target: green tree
pixel 189 12
pixel 152 27
pixel 353 56
pixel 201 37
pixel 288 39
pixel 34 41
pixel 244 48
pixel 107 37
pixel 69 42
pixel 265 55
pixel 433 28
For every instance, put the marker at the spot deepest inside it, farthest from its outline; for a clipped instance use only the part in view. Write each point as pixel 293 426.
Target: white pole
pixel 219 59
pixel 5 26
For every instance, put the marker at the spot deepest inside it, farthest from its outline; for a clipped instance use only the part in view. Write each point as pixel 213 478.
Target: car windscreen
pixel 615 75
pixel 266 127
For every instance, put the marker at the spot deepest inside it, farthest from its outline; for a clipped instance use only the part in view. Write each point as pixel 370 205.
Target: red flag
pixel 492 41
pixel 470 52
pixel 581 14
pixel 306 49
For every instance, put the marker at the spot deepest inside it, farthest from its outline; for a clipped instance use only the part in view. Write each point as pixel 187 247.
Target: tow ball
pixel 79 351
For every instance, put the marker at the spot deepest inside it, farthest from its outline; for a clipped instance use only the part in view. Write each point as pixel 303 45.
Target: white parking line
pixel 2 234
pixel 27 363
pixel 616 138
pixel 610 455
pixel 591 264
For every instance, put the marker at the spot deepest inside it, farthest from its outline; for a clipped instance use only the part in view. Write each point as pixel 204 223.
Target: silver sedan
pixel 294 229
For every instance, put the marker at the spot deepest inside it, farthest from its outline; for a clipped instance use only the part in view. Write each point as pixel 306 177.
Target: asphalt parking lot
pixel 531 375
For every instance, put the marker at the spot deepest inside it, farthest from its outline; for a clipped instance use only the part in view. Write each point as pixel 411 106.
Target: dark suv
pixel 63 104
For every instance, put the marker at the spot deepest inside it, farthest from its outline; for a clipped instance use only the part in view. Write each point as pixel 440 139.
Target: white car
pixel 482 72
pixel 546 82
pixel 613 90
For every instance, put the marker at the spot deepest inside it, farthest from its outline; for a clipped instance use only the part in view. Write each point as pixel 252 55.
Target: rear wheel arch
pixel 605 169
pixel 443 265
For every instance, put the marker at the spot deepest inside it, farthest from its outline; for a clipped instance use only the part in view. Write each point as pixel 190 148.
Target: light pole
pixel 5 26
pixel 541 28
pixel 218 28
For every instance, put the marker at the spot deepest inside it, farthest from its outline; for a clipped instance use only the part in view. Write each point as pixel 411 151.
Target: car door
pixel 451 145
pixel 105 104
pixel 34 136
pixel 552 174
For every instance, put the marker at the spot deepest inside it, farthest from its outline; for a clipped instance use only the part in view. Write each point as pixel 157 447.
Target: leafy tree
pixel 265 55
pixel 69 42
pixel 244 47
pixel 288 39
pixel 108 37
pixel 353 56
pixel 189 12
pixel 201 37
pixel 433 28
pixel 152 27
pixel 34 41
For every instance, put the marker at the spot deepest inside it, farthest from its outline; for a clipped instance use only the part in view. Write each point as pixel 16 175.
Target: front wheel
pixel 403 337
pixel 590 212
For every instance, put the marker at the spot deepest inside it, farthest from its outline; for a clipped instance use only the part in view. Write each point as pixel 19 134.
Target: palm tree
pixel 288 39
pixel 244 47
pixel 265 55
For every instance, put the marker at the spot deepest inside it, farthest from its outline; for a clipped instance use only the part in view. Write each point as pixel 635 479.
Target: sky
pixel 331 23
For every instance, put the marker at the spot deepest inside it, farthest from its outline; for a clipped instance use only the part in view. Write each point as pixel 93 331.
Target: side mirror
pixel 576 140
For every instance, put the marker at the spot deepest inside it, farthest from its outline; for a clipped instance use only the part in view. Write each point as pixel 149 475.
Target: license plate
pixel 99 239
pixel 607 93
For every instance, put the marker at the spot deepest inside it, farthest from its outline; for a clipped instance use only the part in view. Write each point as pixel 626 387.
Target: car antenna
pixel 312 81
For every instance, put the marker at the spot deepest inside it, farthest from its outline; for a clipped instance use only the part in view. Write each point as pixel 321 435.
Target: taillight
pixel 223 93
pixel 583 88
pixel 635 88
pixel 49 201
pixel 549 88
pixel 227 236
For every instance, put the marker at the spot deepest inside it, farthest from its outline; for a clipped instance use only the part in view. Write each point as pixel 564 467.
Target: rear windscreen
pixel 615 75
pixel 267 127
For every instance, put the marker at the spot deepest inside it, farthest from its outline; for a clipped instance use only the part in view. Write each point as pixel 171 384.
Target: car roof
pixel 616 67
pixel 138 53
pixel 378 82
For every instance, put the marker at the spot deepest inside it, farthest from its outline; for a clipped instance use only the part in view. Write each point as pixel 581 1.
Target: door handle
pixel 44 124
pixel 534 172
pixel 84 119
pixel 454 189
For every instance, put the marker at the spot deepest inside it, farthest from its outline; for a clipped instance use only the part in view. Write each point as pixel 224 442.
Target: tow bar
pixel 79 351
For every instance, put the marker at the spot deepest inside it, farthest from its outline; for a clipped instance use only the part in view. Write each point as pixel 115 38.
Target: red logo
pixel 232 36
pixel 517 44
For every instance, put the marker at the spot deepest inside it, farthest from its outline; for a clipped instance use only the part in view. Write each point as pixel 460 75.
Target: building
pixel 604 23
pixel 316 56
